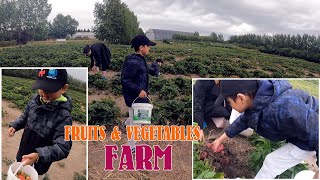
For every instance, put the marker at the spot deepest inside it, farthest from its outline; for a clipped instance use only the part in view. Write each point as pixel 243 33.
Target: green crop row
pixel 18 91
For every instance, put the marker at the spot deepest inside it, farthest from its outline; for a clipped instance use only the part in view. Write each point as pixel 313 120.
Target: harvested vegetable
pixel 203 155
pixel 23 176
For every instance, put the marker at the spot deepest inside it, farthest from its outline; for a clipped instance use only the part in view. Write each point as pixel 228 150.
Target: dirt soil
pixel 234 162
pixel 64 169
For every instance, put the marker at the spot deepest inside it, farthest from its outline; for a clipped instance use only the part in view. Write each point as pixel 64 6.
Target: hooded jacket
pixel 134 78
pixel 44 131
pixel 99 53
pixel 281 113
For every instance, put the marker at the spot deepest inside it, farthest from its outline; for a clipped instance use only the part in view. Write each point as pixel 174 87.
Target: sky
pixel 80 74
pixel 206 16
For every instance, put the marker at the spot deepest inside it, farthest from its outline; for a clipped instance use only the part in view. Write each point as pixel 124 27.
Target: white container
pixel 234 115
pixel 306 174
pixel 142 112
pixel 26 169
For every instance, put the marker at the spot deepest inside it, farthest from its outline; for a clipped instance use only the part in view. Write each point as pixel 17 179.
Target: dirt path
pixel 110 74
pixel 64 169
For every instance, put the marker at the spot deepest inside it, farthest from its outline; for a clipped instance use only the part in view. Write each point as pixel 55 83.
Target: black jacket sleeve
pixel 237 126
pixel 199 96
pixel 21 122
pixel 92 61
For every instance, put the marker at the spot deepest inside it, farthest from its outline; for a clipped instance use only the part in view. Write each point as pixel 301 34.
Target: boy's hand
pixel 30 158
pixel 219 141
pixel 201 135
pixel 11 132
pixel 143 94
pixel 95 69
pixel 216 144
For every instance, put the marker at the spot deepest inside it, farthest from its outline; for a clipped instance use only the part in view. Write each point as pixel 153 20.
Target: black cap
pixel 51 80
pixel 232 87
pixel 86 49
pixel 141 40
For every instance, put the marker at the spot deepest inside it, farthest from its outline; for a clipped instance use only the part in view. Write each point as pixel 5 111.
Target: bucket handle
pixel 138 97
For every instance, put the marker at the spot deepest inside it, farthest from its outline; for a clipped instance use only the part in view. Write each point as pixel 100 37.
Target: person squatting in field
pixel 100 57
pixel 278 113
pixel 154 69
pixel 205 93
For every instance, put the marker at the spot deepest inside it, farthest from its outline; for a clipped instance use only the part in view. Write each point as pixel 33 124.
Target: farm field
pixel 196 59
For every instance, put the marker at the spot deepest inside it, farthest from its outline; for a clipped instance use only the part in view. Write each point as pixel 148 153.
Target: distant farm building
pixel 160 34
pixel 88 35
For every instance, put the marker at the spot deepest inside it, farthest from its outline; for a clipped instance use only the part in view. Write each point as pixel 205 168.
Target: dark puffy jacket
pixel 154 69
pixel 281 113
pixel 99 53
pixel 134 78
pixel 44 131
pixel 205 94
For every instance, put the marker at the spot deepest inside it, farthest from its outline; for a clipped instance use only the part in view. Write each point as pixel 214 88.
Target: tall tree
pixel 115 22
pixel 214 36
pixel 63 26
pixel 32 15
pixel 220 38
pixel 25 16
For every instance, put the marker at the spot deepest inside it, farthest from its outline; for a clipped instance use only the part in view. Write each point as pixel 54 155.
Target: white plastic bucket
pixel 306 174
pixel 234 115
pixel 142 112
pixel 26 169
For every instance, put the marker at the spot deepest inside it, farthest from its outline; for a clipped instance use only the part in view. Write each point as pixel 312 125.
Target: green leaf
pixel 219 176
pixel 257 156
pixel 202 174
pixel 209 175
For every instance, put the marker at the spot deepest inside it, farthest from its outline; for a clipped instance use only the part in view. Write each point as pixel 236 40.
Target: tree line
pixel 26 20
pixel 299 46
pixel 196 37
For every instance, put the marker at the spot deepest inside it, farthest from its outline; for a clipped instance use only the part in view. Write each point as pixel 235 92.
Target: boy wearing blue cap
pixel 276 112
pixel 43 122
pixel 134 77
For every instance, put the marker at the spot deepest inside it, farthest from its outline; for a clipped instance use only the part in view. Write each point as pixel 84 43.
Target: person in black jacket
pixel 204 110
pixel 154 69
pixel 43 122
pixel 277 112
pixel 134 77
pixel 100 57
